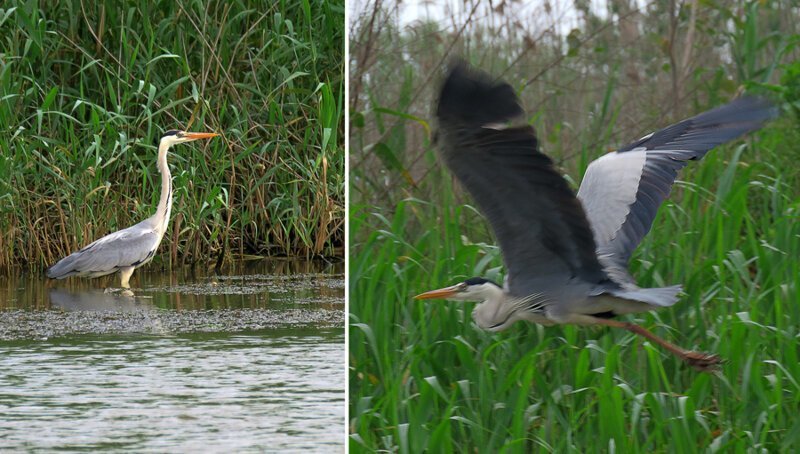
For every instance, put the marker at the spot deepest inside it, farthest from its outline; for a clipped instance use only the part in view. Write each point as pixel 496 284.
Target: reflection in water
pixel 270 284
pixel 85 370
pixel 97 301
pixel 277 391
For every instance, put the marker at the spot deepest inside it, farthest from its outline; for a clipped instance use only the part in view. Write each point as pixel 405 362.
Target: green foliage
pixel 586 90
pixel 791 87
pixel 86 89
pixel 423 377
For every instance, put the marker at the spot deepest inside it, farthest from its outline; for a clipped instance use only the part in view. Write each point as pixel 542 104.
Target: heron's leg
pixel 698 360
pixel 125 275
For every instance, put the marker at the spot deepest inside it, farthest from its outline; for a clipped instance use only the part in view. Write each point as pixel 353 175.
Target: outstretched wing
pixel 540 225
pixel 129 247
pixel 622 191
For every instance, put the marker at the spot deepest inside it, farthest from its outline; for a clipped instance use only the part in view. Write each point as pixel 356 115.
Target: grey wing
pixel 541 227
pixel 705 131
pixel 622 191
pixel 129 247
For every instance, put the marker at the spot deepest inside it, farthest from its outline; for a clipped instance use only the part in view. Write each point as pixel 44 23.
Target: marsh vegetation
pixel 422 376
pixel 87 89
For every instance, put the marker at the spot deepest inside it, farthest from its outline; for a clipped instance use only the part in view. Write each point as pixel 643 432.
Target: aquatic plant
pixel 86 89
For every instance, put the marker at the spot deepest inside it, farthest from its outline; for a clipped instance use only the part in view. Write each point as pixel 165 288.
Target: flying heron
pixel 130 248
pixel 567 257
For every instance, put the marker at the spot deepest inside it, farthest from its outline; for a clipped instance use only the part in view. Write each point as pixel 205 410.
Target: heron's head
pixel 173 136
pixel 473 289
pixel 493 314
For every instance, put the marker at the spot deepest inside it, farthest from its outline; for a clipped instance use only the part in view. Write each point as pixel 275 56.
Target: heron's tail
pixel 658 296
pixel 62 269
pixel 472 98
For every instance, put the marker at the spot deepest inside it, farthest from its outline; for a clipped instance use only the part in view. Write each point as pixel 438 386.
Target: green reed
pixel 424 377
pixel 86 90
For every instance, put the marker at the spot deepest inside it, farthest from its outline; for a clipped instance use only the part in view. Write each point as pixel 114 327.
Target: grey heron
pixel 567 256
pixel 130 248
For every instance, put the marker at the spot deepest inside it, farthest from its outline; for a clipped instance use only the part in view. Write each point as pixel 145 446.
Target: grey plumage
pixel 131 247
pixel 622 191
pixel 572 251
pixel 541 227
pixel 566 255
pixel 705 131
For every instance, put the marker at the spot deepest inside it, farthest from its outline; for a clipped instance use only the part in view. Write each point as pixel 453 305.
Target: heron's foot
pixel 704 362
pixel 119 291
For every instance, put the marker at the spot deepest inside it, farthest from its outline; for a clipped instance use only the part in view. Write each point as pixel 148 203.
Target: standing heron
pixel 130 248
pixel 566 256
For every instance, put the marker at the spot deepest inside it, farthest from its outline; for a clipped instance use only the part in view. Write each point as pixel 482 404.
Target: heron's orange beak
pixel 442 293
pixel 199 135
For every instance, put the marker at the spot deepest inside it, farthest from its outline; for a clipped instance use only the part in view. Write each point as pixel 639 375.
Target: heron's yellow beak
pixel 199 135
pixel 442 293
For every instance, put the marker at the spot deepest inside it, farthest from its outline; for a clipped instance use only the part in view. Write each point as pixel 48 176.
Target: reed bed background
pixel 422 376
pixel 87 89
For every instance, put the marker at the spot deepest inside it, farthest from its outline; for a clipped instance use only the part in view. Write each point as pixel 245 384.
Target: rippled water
pixel 247 361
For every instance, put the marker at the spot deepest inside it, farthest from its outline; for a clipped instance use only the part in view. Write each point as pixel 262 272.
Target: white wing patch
pixel 608 190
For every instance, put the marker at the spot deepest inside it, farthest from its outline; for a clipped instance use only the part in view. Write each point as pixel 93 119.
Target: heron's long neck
pixel 165 203
pixel 493 293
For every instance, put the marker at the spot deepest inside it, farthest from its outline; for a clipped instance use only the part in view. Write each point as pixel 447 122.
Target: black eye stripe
pixel 478 281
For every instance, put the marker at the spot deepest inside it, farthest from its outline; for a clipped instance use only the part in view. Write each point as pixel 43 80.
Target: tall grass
pixel 423 376
pixel 608 81
pixel 86 90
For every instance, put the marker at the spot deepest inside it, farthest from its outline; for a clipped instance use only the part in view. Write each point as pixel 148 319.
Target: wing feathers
pixel 540 225
pixel 129 247
pixel 471 98
pixel 709 129
pixel 620 222
pixel 546 234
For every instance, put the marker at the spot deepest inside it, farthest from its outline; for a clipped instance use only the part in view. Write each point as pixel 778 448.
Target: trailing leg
pixel 698 360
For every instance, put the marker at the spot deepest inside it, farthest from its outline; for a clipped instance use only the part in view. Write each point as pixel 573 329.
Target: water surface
pixel 250 359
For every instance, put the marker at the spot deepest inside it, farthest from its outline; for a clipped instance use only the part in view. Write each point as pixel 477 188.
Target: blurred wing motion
pixel 541 227
pixel 622 191
pixel 548 236
pixel 567 256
